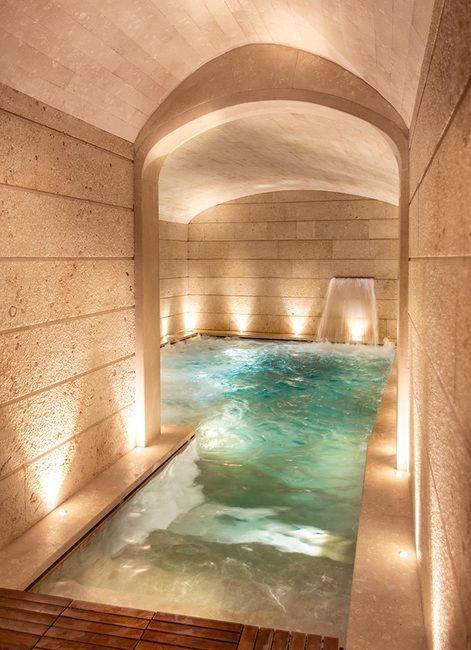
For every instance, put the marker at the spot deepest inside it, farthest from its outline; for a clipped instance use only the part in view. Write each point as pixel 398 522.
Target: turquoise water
pixel 256 519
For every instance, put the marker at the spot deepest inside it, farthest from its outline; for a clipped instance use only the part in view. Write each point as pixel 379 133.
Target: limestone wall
pixel 67 306
pixel 263 264
pixel 173 277
pixel 439 312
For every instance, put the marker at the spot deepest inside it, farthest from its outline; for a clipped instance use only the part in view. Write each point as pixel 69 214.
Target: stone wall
pixel 440 339
pixel 263 264
pixel 67 296
pixel 173 277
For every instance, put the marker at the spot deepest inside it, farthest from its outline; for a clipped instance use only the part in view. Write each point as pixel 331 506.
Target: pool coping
pixel 31 554
pixel 385 605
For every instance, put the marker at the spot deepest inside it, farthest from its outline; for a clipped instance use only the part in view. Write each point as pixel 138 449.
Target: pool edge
pixel 25 559
pixel 385 604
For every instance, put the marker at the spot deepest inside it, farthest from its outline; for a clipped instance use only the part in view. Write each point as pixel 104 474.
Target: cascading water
pixel 349 314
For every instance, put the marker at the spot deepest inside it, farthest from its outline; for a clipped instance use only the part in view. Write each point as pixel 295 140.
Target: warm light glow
pixel 403 413
pixel 402 448
pixel 62 512
pixel 51 478
pixel 190 322
pixel 242 320
pixel 399 474
pixel 297 323
pixel 357 327
pixel 164 328
pixel 403 554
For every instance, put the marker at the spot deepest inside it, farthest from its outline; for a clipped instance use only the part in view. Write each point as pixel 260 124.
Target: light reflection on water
pixel 256 520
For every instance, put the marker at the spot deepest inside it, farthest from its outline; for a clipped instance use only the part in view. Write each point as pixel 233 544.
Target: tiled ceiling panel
pixel 112 62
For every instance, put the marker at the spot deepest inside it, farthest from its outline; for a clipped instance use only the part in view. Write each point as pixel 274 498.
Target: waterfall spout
pixel 350 314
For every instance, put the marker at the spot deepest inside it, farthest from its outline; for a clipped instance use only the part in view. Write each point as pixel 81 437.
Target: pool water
pixel 255 521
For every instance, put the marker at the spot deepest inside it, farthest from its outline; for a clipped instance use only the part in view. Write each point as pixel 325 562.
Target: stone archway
pixel 229 87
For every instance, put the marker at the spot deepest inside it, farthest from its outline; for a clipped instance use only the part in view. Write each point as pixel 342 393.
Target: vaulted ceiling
pixel 112 62
pixel 292 146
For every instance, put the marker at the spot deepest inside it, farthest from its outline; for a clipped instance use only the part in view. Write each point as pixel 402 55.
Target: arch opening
pixel 186 124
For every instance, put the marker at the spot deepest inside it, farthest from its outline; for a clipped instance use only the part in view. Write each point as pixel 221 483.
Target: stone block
pixel 353 268
pixel 176 268
pixel 447 78
pixel 68 227
pixel 386 269
pixel 444 196
pixel 305 249
pixel 33 359
pixel 174 305
pixel 34 425
pixel 383 229
pixel 312 268
pixel 55 476
pixel 387 309
pixel 173 231
pixel 39 158
pixel 234 250
pixel 173 287
pixel 12 507
pixel 355 229
pixel 34 292
pixel 172 249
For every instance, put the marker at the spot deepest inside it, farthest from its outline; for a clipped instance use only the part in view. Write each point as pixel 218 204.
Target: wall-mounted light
pixel 403 554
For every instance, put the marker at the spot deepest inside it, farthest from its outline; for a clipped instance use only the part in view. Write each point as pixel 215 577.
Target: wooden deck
pixel 29 620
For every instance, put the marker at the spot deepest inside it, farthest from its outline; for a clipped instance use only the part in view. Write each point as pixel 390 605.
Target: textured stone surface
pixel 445 621
pixel 12 507
pixel 444 197
pixel 447 76
pixel 364 249
pixel 436 417
pixel 439 311
pixel 30 427
pixel 33 359
pixel 69 228
pixel 76 462
pixel 67 296
pixel 42 159
pixel 15 102
pixel 34 292
pixel 111 66
pixel 270 273
pixel 297 206
pixel 173 270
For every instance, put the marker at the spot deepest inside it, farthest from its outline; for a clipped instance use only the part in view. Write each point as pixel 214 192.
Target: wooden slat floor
pixel 29 620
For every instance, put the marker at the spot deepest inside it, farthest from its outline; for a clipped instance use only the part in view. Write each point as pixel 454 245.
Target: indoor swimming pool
pixel 254 520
